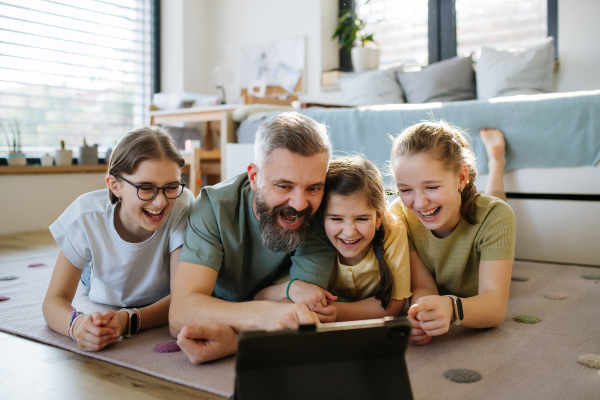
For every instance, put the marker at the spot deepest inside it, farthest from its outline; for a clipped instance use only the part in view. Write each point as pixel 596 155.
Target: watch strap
pixel 132 323
pixel 458 311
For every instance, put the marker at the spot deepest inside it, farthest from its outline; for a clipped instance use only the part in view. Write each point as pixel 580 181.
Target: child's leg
pixel 493 140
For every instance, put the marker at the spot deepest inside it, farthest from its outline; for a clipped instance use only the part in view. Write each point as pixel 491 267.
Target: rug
pixel 515 360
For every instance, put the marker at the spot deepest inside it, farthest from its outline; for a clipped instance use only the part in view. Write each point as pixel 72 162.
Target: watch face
pixel 459 309
pixel 133 324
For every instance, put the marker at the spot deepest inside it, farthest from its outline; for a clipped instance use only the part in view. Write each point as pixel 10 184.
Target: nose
pixel 298 200
pixel 160 200
pixel 419 200
pixel 349 229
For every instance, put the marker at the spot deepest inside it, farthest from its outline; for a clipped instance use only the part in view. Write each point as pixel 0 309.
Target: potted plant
pixel 353 38
pixel 47 160
pixel 15 156
pixel 88 154
pixel 63 156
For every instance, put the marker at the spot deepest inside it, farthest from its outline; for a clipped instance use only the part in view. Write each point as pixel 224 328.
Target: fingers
pixel 421 342
pixel 193 349
pixel 413 320
pixel 203 332
pixel 97 318
pixel 329 310
pixel 329 296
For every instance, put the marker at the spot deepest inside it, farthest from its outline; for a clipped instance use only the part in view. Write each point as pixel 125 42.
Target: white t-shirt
pixel 123 274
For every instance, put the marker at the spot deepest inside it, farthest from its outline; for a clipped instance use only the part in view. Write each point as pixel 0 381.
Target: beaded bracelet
pixel 287 291
pixel 74 316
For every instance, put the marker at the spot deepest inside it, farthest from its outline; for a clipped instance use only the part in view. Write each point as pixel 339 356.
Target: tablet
pixel 342 360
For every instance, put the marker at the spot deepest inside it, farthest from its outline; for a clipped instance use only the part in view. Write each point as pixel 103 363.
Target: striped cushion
pixel 508 73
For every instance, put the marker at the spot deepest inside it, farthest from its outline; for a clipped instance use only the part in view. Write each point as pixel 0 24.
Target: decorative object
pixel 223 76
pixel 167 347
pixel 47 160
pixel 555 296
pixel 590 360
pixel 353 39
pixel 63 157
pixel 509 73
pixel 591 276
pixel 4 298
pixel 15 156
pixel 33 265
pixel 527 319
pixel 8 278
pixel 448 80
pixel 462 375
pixel 519 279
pixel 88 155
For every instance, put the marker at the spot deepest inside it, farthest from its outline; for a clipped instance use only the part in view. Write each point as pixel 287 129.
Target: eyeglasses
pixel 147 192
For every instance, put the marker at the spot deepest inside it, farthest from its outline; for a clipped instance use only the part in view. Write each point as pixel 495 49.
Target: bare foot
pixel 493 140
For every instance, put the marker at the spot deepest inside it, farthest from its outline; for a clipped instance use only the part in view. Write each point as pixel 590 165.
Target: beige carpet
pixel 516 360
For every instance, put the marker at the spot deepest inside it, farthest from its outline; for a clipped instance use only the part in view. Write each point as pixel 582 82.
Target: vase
pixel 63 157
pixel 47 161
pixel 16 159
pixel 364 58
pixel 88 155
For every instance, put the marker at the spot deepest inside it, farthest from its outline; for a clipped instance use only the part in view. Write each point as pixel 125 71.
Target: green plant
pixel 62 144
pixel 351 30
pixel 15 146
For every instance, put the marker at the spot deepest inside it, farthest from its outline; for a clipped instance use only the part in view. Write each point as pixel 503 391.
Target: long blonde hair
pixel 450 146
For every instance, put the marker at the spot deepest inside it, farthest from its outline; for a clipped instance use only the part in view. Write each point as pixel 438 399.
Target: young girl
pixel 372 274
pixel 461 242
pixel 129 237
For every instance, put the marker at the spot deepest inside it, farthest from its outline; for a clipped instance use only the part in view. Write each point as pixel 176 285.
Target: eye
pixel 147 189
pixel 404 190
pixel 283 187
pixel 432 187
pixel 315 189
pixel 335 219
pixel 362 219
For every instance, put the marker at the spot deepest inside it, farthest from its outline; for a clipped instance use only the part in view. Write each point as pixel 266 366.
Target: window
pixel 74 69
pixel 426 31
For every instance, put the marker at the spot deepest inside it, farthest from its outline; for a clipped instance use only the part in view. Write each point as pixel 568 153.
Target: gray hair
pixel 292 131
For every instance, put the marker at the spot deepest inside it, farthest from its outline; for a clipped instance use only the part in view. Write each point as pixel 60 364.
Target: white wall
pixel 578 45
pixel 33 202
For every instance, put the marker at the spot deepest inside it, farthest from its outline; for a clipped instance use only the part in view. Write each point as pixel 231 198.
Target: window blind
pixel 74 69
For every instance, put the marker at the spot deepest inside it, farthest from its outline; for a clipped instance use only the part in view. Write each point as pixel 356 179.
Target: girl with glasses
pixel 122 242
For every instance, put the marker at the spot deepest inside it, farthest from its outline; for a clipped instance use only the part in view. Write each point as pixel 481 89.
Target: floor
pixel 34 370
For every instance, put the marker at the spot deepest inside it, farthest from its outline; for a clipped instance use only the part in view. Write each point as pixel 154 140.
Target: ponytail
pixel 384 289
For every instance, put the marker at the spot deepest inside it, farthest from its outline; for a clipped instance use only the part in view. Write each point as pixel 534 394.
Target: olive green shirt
pixel 222 234
pixel 454 260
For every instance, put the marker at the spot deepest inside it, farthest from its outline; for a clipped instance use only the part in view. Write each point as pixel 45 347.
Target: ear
pixel 113 185
pixel 378 221
pixel 463 176
pixel 253 176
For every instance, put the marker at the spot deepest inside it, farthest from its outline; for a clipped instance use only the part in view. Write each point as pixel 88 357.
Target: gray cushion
pixel 372 87
pixel 509 73
pixel 448 80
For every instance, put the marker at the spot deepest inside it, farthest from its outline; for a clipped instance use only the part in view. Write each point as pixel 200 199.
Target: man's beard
pixel 274 236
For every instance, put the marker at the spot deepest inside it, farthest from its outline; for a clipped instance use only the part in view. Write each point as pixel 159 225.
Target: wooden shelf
pixel 67 169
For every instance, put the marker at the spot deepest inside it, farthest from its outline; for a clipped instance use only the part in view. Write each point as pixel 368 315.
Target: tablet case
pixel 348 360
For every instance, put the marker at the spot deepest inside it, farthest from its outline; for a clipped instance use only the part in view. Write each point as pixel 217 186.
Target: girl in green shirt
pixel 461 242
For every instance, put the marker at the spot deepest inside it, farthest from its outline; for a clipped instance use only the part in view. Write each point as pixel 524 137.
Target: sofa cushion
pixel 509 73
pixel 448 80
pixel 378 86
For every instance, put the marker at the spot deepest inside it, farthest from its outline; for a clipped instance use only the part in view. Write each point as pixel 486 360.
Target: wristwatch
pixel 132 323
pixel 458 310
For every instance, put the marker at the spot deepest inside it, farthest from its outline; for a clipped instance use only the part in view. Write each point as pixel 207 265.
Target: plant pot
pixel 64 157
pixel 16 159
pixel 364 58
pixel 88 155
pixel 47 160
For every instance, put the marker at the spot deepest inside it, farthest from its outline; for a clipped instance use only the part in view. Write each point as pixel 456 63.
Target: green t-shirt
pixel 454 261
pixel 222 234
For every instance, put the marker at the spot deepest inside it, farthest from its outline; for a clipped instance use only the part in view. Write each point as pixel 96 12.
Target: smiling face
pixel 350 224
pixel 430 191
pixel 139 218
pixel 289 189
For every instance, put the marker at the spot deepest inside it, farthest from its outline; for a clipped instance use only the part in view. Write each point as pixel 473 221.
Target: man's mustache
pixel 291 211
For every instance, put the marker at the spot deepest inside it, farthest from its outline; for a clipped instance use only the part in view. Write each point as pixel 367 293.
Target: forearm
pixel 273 293
pixel 156 314
pixel 369 308
pixel 421 291
pixel 57 313
pixel 485 310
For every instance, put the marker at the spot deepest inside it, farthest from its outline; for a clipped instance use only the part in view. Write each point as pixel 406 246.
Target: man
pixel 244 231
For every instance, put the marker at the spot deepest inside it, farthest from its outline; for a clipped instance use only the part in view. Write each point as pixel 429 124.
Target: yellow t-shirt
pixel 454 260
pixel 358 282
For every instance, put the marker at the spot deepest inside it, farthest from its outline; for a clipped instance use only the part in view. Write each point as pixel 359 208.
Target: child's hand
pixel 91 334
pixel 113 320
pixel 417 335
pixel 326 314
pixel 434 314
pixel 309 294
pixel 206 343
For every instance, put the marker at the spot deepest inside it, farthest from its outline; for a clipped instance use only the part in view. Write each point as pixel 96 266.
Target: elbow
pixel 175 317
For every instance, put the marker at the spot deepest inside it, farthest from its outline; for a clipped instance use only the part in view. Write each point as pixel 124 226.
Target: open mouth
pixel 349 243
pixel 430 214
pixel 154 215
pixel 290 221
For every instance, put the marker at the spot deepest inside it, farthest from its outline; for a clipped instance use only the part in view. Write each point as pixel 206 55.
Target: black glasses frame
pixel 164 188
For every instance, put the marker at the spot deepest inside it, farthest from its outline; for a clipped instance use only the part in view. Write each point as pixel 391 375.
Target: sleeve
pixel 397 209
pixel 496 237
pixel 177 230
pixel 73 242
pixel 313 261
pixel 202 240
pixel 397 258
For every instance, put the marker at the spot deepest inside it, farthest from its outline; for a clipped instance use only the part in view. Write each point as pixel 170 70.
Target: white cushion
pixel 372 87
pixel 509 73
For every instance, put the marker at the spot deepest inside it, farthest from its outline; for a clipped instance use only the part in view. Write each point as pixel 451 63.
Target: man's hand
pixel 433 313
pixel 92 334
pixel 326 314
pixel 288 316
pixel 310 294
pixel 206 343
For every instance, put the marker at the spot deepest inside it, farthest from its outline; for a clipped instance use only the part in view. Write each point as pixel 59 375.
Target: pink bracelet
pixel 74 316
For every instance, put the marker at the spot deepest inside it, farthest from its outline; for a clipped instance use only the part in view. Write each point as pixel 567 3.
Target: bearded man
pixel 244 231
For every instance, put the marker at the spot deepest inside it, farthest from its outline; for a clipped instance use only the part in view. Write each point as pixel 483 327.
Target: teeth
pixel 294 219
pixel 428 213
pixel 152 211
pixel 349 241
